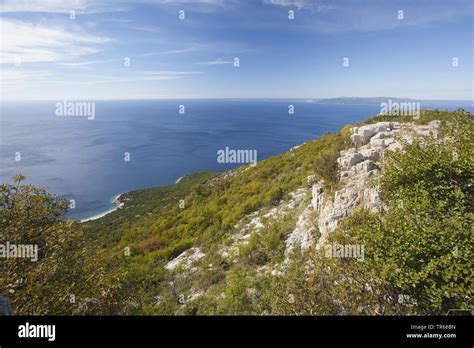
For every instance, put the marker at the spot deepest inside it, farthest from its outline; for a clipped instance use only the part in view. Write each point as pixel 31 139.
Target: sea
pixel 129 145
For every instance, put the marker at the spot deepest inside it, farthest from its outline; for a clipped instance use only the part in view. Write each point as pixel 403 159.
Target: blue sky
pixel 47 55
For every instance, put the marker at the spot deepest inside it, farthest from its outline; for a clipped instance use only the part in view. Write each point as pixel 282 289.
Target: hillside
pixel 375 219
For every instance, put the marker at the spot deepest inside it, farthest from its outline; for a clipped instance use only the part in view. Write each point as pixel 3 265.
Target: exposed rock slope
pixel 357 166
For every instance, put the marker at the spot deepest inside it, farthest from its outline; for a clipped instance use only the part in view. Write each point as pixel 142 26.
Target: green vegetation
pixel 418 254
pixel 30 216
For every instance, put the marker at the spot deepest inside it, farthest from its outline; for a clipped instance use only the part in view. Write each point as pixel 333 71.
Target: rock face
pixel 362 135
pixel 255 222
pixel 357 166
pixel 302 235
pixel 186 259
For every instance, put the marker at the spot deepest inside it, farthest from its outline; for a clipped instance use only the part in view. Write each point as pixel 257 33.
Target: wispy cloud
pixel 143 28
pixel 169 73
pixel 90 62
pixel 163 75
pixel 58 6
pixel 330 16
pixel 170 52
pixel 217 61
pixel 28 42
pixel 298 4
pixel 185 50
pixel 100 6
pixel 21 75
pixel 202 3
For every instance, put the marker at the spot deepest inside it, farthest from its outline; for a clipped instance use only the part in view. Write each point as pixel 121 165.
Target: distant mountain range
pixel 378 100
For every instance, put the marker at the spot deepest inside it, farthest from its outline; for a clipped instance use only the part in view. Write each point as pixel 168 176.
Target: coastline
pixel 117 203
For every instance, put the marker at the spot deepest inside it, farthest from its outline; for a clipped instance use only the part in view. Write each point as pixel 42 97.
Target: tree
pixel 32 218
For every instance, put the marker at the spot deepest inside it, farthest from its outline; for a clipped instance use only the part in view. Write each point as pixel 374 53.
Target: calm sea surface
pixel 83 159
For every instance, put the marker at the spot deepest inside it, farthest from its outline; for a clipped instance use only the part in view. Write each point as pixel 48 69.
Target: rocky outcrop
pixel 302 235
pixel 362 135
pixel 185 260
pixel 357 165
pixel 256 221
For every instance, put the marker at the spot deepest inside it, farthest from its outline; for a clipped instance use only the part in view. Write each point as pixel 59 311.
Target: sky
pixel 142 49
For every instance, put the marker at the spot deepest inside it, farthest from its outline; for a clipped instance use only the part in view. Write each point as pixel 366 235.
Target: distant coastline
pixel 116 201
pixel 118 204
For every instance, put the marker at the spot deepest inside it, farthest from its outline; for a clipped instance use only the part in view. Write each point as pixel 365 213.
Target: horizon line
pixel 309 99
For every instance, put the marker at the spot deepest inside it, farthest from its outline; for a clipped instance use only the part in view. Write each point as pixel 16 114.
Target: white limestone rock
pixel 357 165
pixel 362 135
pixel 349 159
pixel 317 197
pixel 186 259
pixel 372 200
pixel 371 153
pixel 365 167
pixel 302 235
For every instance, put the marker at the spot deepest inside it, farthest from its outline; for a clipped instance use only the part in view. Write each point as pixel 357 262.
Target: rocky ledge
pixel 357 166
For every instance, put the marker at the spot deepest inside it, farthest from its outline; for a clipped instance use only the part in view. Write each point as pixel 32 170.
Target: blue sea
pixel 83 159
